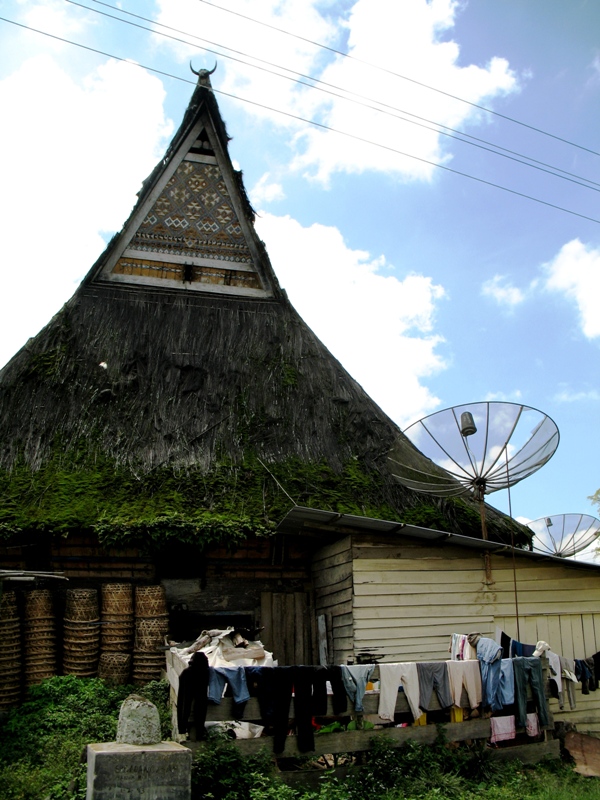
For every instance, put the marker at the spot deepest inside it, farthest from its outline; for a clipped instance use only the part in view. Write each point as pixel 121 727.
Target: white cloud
pixel 403 38
pixel 507 397
pixel 76 154
pixel 379 327
pixel 266 191
pixel 569 396
pixel 575 272
pixel 502 291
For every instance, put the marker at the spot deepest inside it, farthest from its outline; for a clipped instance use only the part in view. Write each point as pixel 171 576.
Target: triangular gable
pixel 192 228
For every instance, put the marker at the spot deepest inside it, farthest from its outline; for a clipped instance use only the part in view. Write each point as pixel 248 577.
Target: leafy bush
pixel 43 741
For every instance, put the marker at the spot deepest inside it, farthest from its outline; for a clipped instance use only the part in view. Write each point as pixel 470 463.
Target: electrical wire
pixel 397 75
pixel 440 128
pixel 314 123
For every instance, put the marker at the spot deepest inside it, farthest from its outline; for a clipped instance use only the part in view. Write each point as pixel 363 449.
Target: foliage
pixel 226 504
pixel 42 742
pixel 221 772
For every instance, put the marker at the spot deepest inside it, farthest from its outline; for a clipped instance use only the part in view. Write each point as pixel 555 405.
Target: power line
pixel 465 138
pixel 397 75
pixel 307 121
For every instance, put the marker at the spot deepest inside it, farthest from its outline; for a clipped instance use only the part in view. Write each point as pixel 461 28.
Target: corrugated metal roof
pixel 300 519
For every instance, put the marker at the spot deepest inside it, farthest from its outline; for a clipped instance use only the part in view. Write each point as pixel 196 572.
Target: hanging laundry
pixel 506 687
pixel 236 678
pixel 467 674
pixel 521 650
pixel 528 671
pixel 532 725
pixel 355 679
pixel 306 684
pixel 489 654
pixel 503 728
pixel 391 676
pixel 192 697
pixel 569 679
pixel 460 649
pixel 583 673
pixel 433 675
pixel 543 649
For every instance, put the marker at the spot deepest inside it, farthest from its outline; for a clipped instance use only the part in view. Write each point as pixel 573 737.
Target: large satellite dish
pixel 564 534
pixel 476 448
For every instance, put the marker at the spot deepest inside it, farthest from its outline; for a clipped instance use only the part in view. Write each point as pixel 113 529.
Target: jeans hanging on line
pixel 355 680
pixel 236 678
pixel 489 654
pixel 529 671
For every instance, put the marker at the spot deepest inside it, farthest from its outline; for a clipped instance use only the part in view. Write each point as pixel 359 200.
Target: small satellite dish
pixel 476 448
pixel 564 534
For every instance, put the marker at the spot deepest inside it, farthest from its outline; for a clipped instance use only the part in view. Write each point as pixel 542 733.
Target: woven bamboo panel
pixel 115 667
pixel 82 605
pixel 150 601
pixel 8 606
pixel 39 605
pixel 150 633
pixel 117 599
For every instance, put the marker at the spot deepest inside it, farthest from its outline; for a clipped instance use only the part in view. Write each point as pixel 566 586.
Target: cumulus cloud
pixel 379 327
pixel 575 273
pixel 402 39
pixel 266 190
pixel 79 152
pixel 502 291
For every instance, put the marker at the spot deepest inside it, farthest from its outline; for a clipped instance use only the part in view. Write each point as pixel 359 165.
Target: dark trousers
pixel 193 695
pixel 528 670
pixel 310 697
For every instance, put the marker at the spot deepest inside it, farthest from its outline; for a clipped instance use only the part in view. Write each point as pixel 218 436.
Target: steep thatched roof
pixel 178 392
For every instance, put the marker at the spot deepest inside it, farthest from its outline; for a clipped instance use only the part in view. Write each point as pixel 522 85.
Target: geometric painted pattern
pixel 193 216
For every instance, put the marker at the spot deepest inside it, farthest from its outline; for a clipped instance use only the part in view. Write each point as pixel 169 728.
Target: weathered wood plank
pixel 333 599
pixel 464 623
pixel 329 575
pixel 589 635
pixel 300 649
pixel 528 753
pixel 266 619
pixel 344 585
pixel 357 741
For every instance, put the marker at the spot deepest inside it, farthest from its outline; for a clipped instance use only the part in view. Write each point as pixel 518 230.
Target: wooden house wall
pixel 332 581
pixel 409 598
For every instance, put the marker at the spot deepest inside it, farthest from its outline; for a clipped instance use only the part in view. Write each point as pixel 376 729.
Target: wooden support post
pixel 322 633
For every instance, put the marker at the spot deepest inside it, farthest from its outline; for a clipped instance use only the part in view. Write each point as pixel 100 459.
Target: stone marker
pixel 139 721
pixel 138 766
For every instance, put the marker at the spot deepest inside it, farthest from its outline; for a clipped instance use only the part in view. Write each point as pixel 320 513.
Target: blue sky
pixel 433 289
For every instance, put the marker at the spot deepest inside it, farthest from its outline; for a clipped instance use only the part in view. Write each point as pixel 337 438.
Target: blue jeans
pixel 235 677
pixel 355 680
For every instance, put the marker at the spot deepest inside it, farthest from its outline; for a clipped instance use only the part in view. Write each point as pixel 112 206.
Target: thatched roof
pixel 178 390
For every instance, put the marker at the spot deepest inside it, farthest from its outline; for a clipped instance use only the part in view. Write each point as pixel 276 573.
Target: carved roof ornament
pixel 204 75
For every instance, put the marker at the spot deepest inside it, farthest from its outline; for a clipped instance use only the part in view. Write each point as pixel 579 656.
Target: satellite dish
pixel 476 448
pixel 564 534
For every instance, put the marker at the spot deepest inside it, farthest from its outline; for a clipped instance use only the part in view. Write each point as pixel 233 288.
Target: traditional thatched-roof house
pixel 178 403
